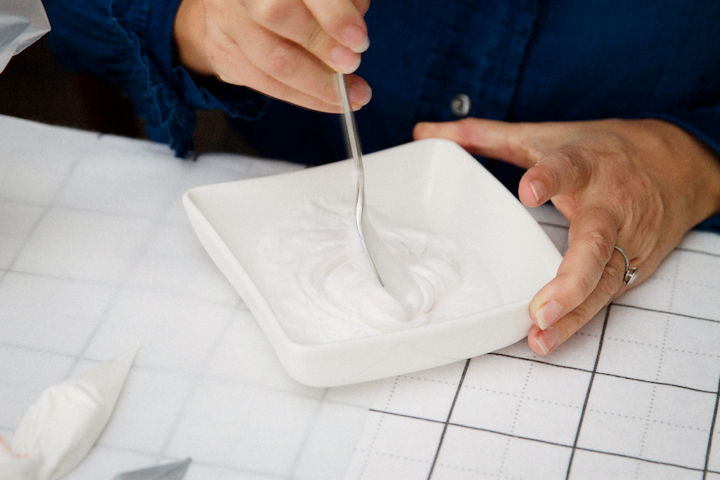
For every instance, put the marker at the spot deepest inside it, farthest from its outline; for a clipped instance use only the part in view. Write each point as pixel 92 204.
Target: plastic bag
pixel 21 23
pixel 61 427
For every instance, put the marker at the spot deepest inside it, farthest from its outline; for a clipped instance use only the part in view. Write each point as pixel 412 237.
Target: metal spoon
pixel 395 277
pixel 353 145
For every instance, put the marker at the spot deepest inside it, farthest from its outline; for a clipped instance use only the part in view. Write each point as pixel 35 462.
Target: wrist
pixel 703 164
pixel 188 35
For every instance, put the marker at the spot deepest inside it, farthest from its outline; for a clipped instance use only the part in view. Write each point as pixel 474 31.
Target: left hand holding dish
pixel 636 184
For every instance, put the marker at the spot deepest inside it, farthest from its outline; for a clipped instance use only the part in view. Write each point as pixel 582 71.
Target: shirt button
pixel 460 105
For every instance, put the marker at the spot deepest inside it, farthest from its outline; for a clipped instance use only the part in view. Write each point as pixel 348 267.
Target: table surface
pixel 97 256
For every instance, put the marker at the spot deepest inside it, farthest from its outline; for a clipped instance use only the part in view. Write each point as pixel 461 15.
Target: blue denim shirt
pixel 516 60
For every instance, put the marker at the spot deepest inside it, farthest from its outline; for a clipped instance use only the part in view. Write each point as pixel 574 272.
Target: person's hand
pixel 637 184
pixel 287 49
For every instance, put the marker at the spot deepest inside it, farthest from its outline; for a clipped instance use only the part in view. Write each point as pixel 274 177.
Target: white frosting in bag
pixel 61 427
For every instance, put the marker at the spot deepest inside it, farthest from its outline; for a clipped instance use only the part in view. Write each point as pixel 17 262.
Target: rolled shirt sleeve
pixel 129 43
pixel 514 60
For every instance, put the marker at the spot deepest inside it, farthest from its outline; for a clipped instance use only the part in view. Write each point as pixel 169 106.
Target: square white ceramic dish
pixel 432 185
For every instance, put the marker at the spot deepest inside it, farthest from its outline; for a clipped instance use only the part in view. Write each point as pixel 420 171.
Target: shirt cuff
pixel 198 92
pixel 166 95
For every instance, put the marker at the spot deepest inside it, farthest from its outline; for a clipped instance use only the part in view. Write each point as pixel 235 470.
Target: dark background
pixel 35 87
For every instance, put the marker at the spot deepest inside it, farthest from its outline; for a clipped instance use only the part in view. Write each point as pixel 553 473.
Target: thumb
pixel 487 138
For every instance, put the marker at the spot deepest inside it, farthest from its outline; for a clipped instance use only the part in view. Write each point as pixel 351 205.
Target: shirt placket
pixel 473 68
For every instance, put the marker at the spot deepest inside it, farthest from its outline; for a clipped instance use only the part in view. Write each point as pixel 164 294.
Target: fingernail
pixel 547 339
pixel 360 93
pixel 548 314
pixel 355 37
pixel 538 189
pixel 345 59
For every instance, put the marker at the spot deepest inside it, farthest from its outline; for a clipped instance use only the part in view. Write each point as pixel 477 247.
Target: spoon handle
pixel 353 145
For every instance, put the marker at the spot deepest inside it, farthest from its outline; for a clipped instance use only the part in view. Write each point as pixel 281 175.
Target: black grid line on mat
pixel 701 463
pixel 574 446
pixel 587 394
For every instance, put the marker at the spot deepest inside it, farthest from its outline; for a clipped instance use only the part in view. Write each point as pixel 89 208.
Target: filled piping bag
pixel 21 23
pixel 61 427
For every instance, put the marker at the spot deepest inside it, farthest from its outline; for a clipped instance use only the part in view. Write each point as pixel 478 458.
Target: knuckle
pixel 566 168
pixel 600 243
pixel 282 60
pixel 598 248
pixel 362 5
pixel 610 282
pixel 327 93
pixel 559 159
pixel 582 315
pixel 609 141
pixel 272 12
pixel 578 161
pixel 467 131
pixel 579 320
pixel 314 39
pixel 582 285
pixel 552 177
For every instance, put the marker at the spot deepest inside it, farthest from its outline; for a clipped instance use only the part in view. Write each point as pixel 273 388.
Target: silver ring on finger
pixel 631 273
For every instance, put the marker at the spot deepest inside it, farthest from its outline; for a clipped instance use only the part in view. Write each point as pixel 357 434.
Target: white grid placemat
pixel 633 395
pixel 97 256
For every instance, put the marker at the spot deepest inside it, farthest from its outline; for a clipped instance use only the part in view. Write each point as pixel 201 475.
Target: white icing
pixel 322 288
pixel 61 427
pixel 396 277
